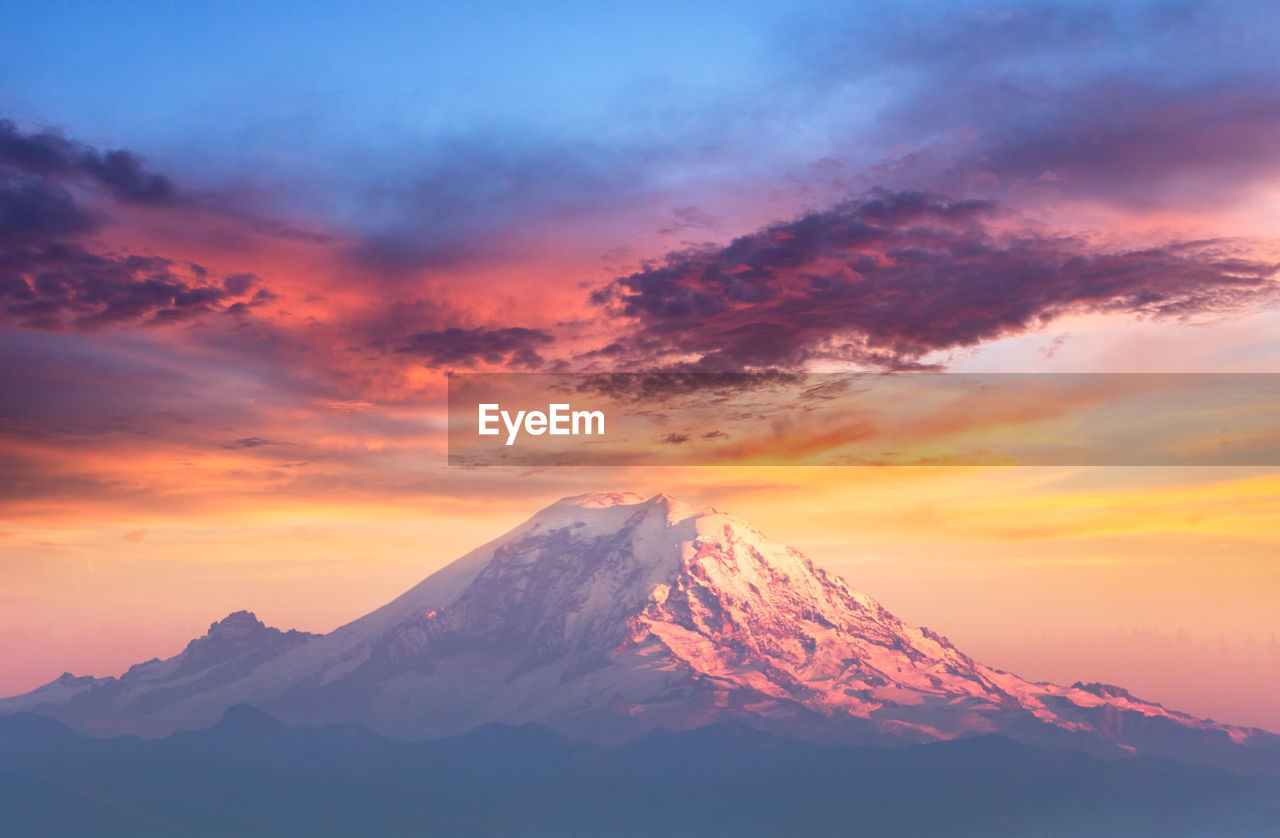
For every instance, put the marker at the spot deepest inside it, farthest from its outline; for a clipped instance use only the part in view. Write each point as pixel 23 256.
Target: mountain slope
pixel 608 615
pixel 234 646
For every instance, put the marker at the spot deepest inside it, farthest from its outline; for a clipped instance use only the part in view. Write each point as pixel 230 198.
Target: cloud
pixel 32 211
pixel 50 155
pixel 248 442
pixel 690 218
pixel 889 279
pixel 514 346
pixel 62 285
pixel 1139 105
pixel 51 280
pixel 1137 145
pixel 679 381
pixel 457 202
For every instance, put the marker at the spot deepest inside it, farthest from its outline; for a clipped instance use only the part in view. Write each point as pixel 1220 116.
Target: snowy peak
pixel 630 601
pixel 601 500
pixel 567 587
pixel 745 613
pixel 625 503
pixel 655 590
pixel 608 615
pixel 571 579
pixel 610 511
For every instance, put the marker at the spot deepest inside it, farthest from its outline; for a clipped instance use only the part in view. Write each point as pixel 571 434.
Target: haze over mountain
pixel 608 616
pixel 250 775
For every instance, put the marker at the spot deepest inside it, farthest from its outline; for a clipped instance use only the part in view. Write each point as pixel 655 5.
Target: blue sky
pixel 332 96
pixel 148 74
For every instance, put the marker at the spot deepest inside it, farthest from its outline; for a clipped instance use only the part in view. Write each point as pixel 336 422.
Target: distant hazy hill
pixel 251 776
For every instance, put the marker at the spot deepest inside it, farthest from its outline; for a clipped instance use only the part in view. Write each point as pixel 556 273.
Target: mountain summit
pixel 608 615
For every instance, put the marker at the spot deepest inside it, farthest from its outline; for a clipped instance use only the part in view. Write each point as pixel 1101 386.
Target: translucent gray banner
pixel 888 419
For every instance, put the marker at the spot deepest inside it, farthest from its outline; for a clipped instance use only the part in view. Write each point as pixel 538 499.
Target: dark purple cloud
pixel 52 156
pixel 61 285
pixel 248 442
pixel 675 382
pixel 512 346
pixel 51 280
pixel 891 278
pixel 34 210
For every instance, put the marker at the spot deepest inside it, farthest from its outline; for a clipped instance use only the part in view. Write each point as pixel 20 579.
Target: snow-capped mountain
pixel 609 615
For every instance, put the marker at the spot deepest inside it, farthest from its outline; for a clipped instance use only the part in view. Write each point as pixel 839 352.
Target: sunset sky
pixel 240 248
